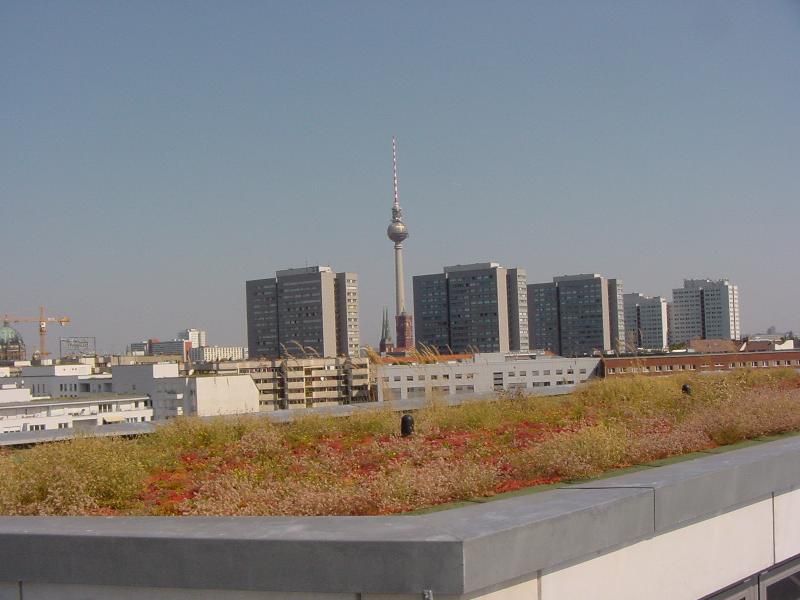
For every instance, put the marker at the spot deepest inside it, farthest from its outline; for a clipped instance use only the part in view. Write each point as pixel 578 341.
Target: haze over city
pixel 155 156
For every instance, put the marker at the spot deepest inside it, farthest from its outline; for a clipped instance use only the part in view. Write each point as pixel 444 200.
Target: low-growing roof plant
pixel 360 465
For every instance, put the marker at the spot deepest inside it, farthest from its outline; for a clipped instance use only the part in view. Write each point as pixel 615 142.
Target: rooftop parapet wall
pixel 452 552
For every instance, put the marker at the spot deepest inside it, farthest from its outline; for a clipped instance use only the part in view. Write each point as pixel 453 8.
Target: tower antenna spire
pixel 394 172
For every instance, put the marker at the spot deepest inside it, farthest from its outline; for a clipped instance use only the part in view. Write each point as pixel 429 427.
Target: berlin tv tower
pixel 398 232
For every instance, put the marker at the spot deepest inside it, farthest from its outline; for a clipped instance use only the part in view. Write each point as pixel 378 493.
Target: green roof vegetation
pixel 361 465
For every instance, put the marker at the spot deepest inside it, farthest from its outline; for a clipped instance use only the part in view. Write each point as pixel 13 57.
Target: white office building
pixel 483 374
pixel 175 395
pixel 215 353
pixel 198 337
pixel 20 410
pixel 60 381
pixel 705 309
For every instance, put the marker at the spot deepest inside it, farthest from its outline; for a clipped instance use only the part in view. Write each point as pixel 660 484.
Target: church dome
pixel 9 335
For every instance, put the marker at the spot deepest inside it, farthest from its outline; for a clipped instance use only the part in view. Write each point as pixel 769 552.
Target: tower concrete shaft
pixel 400 295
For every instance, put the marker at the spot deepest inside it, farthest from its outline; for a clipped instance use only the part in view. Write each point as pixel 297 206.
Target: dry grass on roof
pixel 360 465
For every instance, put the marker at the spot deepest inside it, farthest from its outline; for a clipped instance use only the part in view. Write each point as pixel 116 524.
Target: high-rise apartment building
pixel 472 308
pixel 646 323
pixel 705 309
pixel 310 310
pixel 577 315
pixel 477 300
pixel 543 317
pixel 616 314
pixel 347 328
pixel 584 314
pixel 432 323
pixel 517 292
pixel 198 337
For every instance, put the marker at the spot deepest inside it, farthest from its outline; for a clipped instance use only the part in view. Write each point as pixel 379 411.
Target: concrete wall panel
pixel 690 562
pixel 787 525
pixel 9 591
pixel 527 590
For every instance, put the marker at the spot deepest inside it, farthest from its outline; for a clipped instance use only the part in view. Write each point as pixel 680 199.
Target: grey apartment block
pixel 543 317
pixel 686 315
pixel 431 320
pixel 586 310
pixel 478 306
pixel 704 309
pixel 295 313
pixel 646 323
pixel 306 310
pixel 468 308
pixel 517 283
pixel 262 317
pixel 584 321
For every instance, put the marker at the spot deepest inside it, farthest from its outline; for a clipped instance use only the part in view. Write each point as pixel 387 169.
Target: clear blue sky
pixel 155 155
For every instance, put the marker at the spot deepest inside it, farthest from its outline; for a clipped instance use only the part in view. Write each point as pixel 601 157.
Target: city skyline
pixel 154 158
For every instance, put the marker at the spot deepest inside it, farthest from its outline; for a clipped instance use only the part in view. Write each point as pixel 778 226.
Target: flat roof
pixel 578 277
pixel 26 438
pixel 472 267
pixel 302 271
pixel 94 398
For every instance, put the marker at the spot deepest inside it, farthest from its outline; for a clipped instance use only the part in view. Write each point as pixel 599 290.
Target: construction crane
pixel 43 321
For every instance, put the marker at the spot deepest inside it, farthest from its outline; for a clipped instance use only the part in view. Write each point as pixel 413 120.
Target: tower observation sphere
pixel 397 231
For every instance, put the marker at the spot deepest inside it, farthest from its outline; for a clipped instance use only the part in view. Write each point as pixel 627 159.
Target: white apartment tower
pixel 345 288
pixel 198 337
pixel 517 293
pixel 705 309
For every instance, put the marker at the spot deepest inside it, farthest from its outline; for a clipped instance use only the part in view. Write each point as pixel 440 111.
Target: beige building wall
pixel 348 338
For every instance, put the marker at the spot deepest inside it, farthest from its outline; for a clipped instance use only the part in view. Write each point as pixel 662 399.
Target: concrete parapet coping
pixel 457 551
pixel 694 489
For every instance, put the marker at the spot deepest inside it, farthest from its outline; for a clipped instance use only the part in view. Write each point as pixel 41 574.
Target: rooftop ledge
pixel 456 551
